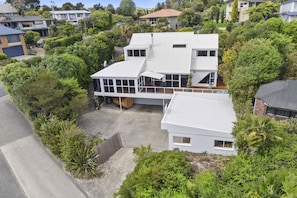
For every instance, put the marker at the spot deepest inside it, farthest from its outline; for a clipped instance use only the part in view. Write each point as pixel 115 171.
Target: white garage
pixel 200 122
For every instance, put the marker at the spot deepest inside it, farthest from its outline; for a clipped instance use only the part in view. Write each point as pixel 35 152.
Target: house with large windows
pixel 72 16
pixel 277 99
pixel 12 42
pixel 199 122
pixel 158 64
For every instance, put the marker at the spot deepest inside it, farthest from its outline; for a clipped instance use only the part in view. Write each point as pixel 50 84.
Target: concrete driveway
pixel 140 125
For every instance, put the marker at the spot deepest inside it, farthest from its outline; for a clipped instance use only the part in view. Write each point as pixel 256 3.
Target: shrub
pixel 3 56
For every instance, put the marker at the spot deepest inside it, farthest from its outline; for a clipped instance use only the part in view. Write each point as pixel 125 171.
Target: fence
pixel 108 148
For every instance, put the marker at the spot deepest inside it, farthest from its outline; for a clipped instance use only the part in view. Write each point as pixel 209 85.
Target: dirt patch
pixel 201 162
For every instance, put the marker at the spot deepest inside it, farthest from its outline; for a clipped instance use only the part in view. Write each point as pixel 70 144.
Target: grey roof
pixel 7 8
pixel 23 18
pixel 9 31
pixel 288 1
pixel 280 94
pixel 289 13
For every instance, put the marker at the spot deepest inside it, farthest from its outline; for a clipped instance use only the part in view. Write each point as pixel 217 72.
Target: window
pixel 108 85
pixel 79 15
pixel 223 144
pixel 130 53
pixel 181 140
pixel 136 52
pixel 208 79
pixel 13 38
pixel 280 112
pixel 172 80
pixel 125 86
pixel 202 53
pixel 0 41
pixel 96 83
pixel 179 45
pixel 142 53
pixel 212 53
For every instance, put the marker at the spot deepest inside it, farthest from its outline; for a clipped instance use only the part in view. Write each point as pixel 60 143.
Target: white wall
pixel 201 143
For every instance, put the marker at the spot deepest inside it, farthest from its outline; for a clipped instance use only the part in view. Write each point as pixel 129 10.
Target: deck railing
pixel 171 90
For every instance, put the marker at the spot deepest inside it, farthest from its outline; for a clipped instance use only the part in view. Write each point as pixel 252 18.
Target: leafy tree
pixel 290 29
pixel 98 7
pixel 79 6
pixel 162 174
pixel 93 51
pixel 110 8
pixel 189 18
pixel 67 6
pixel 67 66
pixel 66 30
pixel 257 62
pixel 101 19
pixel 266 9
pixel 31 37
pixel 44 93
pixel 127 8
pixel 234 12
pixel 256 134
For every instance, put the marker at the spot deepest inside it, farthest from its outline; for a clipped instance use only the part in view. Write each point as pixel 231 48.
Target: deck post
pixel 120 100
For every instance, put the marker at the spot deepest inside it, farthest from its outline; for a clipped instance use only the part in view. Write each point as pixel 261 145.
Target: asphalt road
pixel 9 187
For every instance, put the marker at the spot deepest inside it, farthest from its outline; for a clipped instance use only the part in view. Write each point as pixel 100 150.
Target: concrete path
pixel 38 174
pixel 26 162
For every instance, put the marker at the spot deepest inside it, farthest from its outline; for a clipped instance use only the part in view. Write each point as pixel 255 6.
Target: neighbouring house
pixel 288 10
pixel 243 6
pixel 200 122
pixel 72 16
pixel 158 64
pixel 12 42
pixel 277 99
pixel 25 23
pixel 170 14
pixel 7 10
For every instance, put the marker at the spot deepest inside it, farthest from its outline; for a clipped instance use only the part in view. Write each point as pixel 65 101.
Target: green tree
pixel 67 66
pixel 31 37
pixel 255 134
pixel 110 8
pixel 32 4
pixel 234 12
pixel 67 6
pixel 189 18
pixel 258 62
pixel 79 6
pixel 101 19
pixel 266 9
pixel 127 8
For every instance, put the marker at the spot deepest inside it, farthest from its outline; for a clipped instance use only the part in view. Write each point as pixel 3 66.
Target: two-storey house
pixel 158 64
pixel 243 6
pixel 25 23
pixel 72 16
pixel 288 10
pixel 12 42
pixel 7 10
pixel 170 14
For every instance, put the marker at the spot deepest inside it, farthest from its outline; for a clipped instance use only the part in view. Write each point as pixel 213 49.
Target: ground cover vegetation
pixel 257 51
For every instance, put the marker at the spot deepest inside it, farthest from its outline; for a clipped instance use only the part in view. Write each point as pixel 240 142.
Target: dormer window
pixel 179 45
pixel 136 53
pixel 202 53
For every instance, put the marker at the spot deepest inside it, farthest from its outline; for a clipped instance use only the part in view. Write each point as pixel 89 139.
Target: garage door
pixel 13 51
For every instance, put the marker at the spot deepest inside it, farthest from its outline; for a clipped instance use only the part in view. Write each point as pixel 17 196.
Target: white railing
pixel 171 90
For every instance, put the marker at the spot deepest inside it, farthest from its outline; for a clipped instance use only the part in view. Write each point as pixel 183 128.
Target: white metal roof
pixel 164 58
pixel 124 69
pixel 207 111
pixel 69 12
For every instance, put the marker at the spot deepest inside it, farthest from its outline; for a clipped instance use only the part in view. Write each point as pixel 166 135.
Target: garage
pixel 13 51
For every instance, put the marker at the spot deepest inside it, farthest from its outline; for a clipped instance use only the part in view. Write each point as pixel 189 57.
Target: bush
pixel 3 56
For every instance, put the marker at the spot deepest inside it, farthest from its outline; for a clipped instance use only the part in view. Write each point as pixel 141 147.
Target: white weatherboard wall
pixel 201 118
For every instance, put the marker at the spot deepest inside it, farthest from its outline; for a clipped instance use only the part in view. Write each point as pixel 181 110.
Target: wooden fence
pixel 108 148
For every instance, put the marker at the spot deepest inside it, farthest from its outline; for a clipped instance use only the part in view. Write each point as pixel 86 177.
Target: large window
pixel 208 79
pixel 125 86
pixel 96 83
pixel 223 144
pixel 13 38
pixel 172 80
pixel 202 53
pixel 136 53
pixel 281 112
pixel 108 85
pixel 181 140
